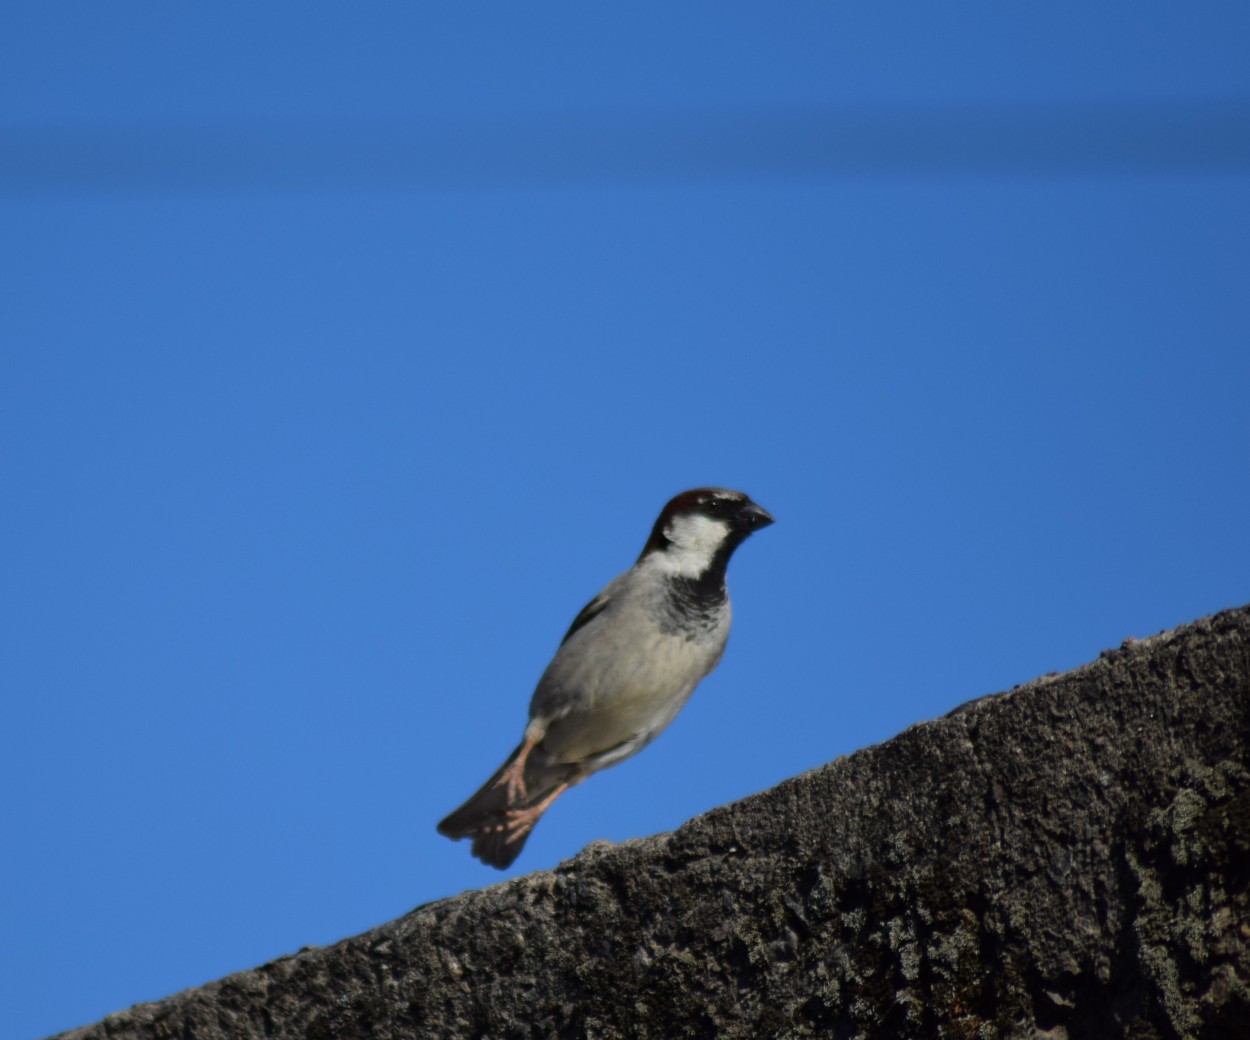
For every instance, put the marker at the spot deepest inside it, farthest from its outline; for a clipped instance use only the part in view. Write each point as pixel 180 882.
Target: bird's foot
pixel 519 822
pixel 513 778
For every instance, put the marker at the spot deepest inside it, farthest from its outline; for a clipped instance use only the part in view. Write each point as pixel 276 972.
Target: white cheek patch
pixel 695 540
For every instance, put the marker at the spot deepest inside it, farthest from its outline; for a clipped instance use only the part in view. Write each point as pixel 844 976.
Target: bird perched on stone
pixel 625 668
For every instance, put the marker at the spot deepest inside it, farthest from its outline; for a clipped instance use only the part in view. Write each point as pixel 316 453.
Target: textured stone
pixel 1067 860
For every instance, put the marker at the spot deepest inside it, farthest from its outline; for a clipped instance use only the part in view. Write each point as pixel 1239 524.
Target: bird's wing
pixel 590 611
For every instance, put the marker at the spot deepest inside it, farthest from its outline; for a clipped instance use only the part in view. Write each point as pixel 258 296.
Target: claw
pixel 521 821
pixel 513 778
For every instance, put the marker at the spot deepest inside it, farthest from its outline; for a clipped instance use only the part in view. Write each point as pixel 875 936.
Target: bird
pixel 627 665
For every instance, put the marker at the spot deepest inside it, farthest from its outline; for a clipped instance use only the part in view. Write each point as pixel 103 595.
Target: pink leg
pixel 513 778
pixel 521 821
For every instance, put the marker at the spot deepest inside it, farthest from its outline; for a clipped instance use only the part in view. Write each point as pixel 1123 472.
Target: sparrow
pixel 625 668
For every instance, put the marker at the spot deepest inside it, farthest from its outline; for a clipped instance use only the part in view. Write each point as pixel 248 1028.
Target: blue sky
pixel 345 353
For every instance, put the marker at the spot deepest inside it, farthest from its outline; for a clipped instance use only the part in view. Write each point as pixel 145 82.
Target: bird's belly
pixel 616 711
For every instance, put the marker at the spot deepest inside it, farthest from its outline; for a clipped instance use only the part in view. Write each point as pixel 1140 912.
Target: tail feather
pixel 487 817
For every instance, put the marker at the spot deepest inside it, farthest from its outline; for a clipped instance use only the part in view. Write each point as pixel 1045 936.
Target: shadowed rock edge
pixel 1069 859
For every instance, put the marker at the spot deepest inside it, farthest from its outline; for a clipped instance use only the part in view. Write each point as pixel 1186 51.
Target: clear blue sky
pixel 345 352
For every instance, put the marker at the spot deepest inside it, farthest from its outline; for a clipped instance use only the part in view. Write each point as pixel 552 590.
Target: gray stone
pixel 1069 860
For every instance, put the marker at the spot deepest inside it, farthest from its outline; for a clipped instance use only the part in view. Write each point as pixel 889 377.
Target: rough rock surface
pixel 1070 859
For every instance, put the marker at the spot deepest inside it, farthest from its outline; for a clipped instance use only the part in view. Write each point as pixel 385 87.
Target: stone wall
pixel 1070 859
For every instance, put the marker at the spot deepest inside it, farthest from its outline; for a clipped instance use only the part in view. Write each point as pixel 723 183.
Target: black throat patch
pixel 694 604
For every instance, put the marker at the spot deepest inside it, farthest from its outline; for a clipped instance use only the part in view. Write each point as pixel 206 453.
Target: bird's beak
pixel 752 517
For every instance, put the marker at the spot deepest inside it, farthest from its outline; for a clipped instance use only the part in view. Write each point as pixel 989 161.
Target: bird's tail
pixel 500 816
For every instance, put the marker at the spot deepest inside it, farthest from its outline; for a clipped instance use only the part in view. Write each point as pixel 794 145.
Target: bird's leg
pixel 513 777
pixel 521 821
